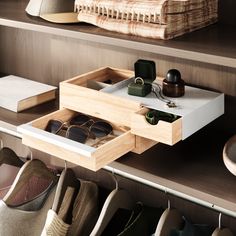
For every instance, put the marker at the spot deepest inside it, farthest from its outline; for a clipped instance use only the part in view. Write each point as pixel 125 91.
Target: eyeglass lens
pixel 54 126
pixel 101 129
pixel 79 120
pixel 77 134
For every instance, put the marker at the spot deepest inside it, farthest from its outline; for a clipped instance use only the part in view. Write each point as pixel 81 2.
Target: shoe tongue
pixel 87 191
pixel 67 190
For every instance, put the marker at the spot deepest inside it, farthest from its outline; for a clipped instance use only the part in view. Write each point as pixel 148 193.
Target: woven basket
pixel 161 19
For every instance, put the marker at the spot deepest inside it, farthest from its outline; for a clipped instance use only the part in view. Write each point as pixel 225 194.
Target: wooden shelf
pixel 214 44
pixel 192 169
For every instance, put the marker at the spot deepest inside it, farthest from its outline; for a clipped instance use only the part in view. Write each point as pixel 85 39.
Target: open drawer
pixel 194 110
pixel 87 155
pixel 164 132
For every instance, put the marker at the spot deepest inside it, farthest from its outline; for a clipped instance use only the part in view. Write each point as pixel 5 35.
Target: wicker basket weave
pixel 160 19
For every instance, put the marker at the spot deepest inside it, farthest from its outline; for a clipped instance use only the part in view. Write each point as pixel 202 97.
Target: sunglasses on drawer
pixel 80 128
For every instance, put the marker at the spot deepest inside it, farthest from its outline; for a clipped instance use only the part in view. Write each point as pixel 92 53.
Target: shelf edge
pixel 9 129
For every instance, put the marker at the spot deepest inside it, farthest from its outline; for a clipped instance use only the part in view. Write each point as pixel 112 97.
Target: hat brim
pixel 61 18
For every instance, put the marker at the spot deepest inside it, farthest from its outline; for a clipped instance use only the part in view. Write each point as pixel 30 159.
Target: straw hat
pixel 56 11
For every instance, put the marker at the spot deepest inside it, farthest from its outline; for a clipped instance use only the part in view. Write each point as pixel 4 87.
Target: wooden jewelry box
pixel 103 94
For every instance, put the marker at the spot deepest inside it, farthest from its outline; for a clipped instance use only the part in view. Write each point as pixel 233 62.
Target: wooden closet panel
pixel 25 54
pixel 227 12
pixel 51 59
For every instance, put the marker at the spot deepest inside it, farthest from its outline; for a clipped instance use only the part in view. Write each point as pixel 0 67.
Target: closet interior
pixel 191 174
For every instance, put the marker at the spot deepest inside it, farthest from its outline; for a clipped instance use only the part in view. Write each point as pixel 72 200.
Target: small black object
pixel 173 85
pixel 173 76
pixel 108 81
pixel 139 88
pixel 145 69
pixel 153 116
pixel 145 74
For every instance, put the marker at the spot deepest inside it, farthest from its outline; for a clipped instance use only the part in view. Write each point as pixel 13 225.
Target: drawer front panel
pixel 82 94
pixel 99 104
pixel 84 155
pixel 164 132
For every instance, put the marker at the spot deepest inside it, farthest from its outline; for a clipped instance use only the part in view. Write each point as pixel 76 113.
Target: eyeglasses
pixel 80 128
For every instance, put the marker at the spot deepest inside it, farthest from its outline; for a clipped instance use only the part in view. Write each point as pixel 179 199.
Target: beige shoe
pixel 85 210
pixel 75 207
